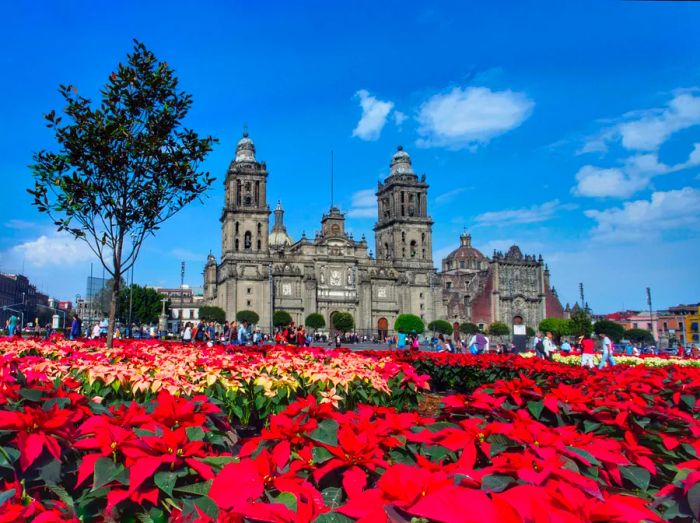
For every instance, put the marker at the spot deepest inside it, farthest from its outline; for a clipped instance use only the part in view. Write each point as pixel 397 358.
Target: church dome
pixel 279 237
pixel 245 149
pixel 401 162
pixel 466 253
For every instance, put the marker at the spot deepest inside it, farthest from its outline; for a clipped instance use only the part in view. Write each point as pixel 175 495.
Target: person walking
pixel 243 333
pixel 187 333
pixel 549 347
pixel 538 345
pixel 12 325
pixel 75 327
pixel 587 351
pixel 607 352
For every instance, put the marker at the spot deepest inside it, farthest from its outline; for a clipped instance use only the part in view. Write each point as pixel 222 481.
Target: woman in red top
pixel 587 351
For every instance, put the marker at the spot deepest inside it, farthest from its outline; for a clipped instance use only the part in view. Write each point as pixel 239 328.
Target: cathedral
pixel 264 270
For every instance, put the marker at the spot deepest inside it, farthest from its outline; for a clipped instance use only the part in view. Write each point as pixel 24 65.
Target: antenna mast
pixel 331 178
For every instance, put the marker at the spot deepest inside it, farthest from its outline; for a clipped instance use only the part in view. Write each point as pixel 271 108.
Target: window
pixel 248 303
pixel 258 244
pixel 422 237
pixel 449 284
pixel 648 326
pixel 413 248
pixel 403 236
pixel 421 295
pixel 236 244
pixel 461 265
pixel 249 290
pixel 237 227
pixel 634 325
pixel 247 241
pixel 423 253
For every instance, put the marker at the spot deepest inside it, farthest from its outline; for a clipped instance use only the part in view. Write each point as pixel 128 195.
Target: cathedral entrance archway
pixel 382 328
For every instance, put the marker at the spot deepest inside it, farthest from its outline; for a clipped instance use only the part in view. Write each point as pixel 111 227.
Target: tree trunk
pixel 116 287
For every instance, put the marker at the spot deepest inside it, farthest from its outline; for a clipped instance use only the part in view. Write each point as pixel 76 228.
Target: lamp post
pixel 272 303
pixel 182 300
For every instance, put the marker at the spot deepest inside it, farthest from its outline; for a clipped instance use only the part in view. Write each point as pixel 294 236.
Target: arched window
pixel 236 244
pixel 258 244
pixel 237 227
pixel 386 251
pixel 403 236
pixel 247 241
pixel 413 248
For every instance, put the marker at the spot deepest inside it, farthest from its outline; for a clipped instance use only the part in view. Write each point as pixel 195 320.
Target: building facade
pixel 265 270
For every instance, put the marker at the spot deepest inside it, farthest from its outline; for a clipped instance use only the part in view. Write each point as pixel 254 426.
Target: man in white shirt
pixel 607 352
pixel 549 347
pixel 243 333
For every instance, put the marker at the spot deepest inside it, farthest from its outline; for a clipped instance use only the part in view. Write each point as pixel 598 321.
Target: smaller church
pixel 264 269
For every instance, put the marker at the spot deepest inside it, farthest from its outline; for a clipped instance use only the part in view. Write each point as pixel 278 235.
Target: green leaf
pixel 694 500
pixel 637 475
pixel 218 461
pixel 165 481
pixel 333 517
pixel 500 443
pixel 590 426
pixel 496 482
pixel 31 394
pixel 689 401
pixel 332 497
pixel 585 455
pixel 326 432
pixel 320 455
pixel 105 472
pixel 195 433
pixel 197 489
pixel 8 494
pixel 535 408
pixel 207 505
pixel 287 499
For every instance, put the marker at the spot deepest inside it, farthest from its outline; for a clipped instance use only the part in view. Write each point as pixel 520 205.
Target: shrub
pixel 315 321
pixel 250 316
pixel 212 313
pixel 440 326
pixel 409 323
pixel 281 319
pixel 342 321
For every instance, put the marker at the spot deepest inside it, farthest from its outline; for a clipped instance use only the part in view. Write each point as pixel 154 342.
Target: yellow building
pixel 692 327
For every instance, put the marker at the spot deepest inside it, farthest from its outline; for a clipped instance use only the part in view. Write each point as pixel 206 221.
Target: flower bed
pixel 534 441
pixel 249 383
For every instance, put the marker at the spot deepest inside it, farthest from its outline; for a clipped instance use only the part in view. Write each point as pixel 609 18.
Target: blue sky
pixel 566 127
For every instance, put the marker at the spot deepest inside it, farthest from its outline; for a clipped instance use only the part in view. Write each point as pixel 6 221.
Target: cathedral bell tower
pixel 403 232
pixel 246 215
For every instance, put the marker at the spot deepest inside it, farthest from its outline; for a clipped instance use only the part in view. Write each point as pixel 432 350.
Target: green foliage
pixel 580 324
pixel 615 331
pixel 250 316
pixel 146 305
pixel 212 313
pixel 281 319
pixel 557 326
pixel 409 323
pixel 530 331
pixel 124 166
pixel 468 328
pixel 498 328
pixel 342 321
pixel 315 321
pixel 440 327
pixel 639 336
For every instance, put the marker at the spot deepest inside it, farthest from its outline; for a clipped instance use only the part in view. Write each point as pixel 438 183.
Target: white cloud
pixel 670 211
pixel 399 118
pixel 374 116
pixel 635 174
pixel 449 196
pixel 52 250
pixel 364 204
pixel 471 116
pixel 648 129
pixel 533 214
pixel 187 255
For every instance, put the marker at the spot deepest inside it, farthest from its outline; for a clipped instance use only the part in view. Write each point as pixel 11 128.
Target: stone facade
pixel 483 290
pixel 334 272
pixel 331 272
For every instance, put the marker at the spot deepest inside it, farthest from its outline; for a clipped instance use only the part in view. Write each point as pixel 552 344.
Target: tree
pixel 124 166
pixel 342 321
pixel 557 326
pixel 315 321
pixel 146 305
pixel 409 323
pixel 212 313
pixel 529 331
pixel 498 328
pixel 249 316
pixel 440 327
pixel 639 336
pixel 580 324
pixel 615 331
pixel 468 328
pixel 281 319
